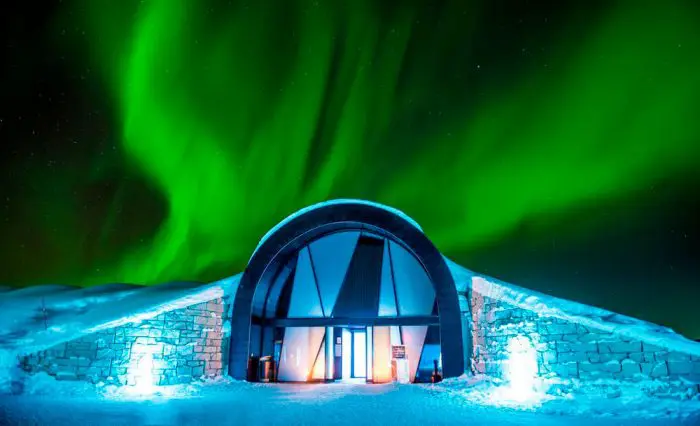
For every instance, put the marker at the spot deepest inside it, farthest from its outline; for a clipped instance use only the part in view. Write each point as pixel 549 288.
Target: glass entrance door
pixel 359 353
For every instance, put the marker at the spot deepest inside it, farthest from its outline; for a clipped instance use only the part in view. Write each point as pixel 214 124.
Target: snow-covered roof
pixel 589 316
pixel 35 318
pixel 330 203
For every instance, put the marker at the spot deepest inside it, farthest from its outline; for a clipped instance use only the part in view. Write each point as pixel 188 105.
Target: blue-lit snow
pixel 72 312
pixel 36 318
pixel 226 402
pixel 331 203
pixel 586 315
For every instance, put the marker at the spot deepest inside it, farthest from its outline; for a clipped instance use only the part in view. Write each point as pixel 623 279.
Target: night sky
pixel 555 145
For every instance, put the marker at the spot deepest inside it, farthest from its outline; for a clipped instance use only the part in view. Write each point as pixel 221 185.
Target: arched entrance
pixel 346 276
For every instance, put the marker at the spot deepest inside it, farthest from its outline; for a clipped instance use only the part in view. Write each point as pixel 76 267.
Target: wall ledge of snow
pixel 588 316
pixel 567 349
pixel 37 318
pixel 173 347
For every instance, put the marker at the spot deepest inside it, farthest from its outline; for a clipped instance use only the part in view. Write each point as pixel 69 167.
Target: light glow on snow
pixel 574 312
pixel 464 400
pixel 520 372
pixel 141 367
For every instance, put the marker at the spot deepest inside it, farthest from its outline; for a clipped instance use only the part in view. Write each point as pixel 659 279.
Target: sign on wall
pixel 398 351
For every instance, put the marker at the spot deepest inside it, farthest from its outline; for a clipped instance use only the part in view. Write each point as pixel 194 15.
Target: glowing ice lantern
pixel 141 368
pixel 521 370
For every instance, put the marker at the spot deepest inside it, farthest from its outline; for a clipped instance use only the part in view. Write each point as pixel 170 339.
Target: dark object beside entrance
pixel 436 377
pixel 267 369
pixel 253 363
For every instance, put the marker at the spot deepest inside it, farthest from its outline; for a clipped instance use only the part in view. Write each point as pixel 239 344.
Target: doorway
pixel 358 352
pixel 352 354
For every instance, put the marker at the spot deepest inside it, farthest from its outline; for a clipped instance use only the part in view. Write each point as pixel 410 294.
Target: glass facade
pixel 344 307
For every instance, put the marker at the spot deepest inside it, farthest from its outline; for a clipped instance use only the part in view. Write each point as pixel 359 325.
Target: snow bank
pixel 591 401
pixel 579 313
pixel 599 398
pixel 43 384
pixel 36 318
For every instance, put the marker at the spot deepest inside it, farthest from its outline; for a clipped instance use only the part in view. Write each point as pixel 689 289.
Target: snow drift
pixel 589 316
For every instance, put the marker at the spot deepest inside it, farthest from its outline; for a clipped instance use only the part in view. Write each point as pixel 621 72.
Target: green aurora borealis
pixel 239 113
pixel 222 113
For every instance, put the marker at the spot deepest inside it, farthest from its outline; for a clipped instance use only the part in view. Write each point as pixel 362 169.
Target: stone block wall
pixel 173 347
pixel 572 351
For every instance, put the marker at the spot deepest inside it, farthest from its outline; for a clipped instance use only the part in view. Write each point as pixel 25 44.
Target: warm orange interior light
pixel 381 370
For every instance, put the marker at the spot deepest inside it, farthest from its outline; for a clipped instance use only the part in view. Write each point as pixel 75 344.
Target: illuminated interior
pixel 338 308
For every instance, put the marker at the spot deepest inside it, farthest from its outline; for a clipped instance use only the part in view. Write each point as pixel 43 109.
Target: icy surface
pixel 224 401
pixel 579 313
pixel 36 318
pixel 330 203
pixel 594 398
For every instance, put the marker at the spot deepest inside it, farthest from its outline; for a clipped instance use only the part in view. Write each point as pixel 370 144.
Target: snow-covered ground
pixel 595 398
pixel 224 401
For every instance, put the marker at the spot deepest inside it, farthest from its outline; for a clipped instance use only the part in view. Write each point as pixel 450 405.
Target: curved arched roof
pixel 304 226
pixel 334 202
